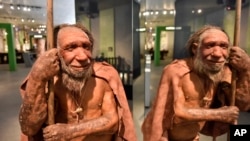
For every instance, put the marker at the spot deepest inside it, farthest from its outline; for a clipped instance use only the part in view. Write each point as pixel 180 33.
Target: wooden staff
pixel 236 43
pixel 50 43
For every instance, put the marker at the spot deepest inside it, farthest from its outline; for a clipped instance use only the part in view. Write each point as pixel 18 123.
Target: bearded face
pixel 211 53
pixel 75 53
pixel 74 80
pixel 213 72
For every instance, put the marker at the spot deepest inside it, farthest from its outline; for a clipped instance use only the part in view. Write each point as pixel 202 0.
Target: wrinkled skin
pixel 46 66
pixel 191 85
pixel 98 117
pixel 34 107
pixel 60 132
pixel 240 60
pixel 191 101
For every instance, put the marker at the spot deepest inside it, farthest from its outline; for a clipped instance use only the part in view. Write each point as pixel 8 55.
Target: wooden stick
pixel 51 115
pixel 236 43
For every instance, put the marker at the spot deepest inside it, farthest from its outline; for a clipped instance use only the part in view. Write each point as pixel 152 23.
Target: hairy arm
pixel 240 61
pixel 191 111
pixel 33 112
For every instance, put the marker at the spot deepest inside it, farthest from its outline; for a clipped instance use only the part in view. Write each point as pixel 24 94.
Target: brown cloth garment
pixel 126 131
pixel 160 117
pixel 158 120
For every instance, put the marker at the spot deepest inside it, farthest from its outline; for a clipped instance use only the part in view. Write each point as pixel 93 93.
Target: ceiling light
pixel 1 6
pixel 199 11
pixel 173 28
pixel 38 36
pixel 25 8
pixel 145 13
pixel 18 7
pixel 12 7
pixel 172 12
pixel 28 9
pixel 141 29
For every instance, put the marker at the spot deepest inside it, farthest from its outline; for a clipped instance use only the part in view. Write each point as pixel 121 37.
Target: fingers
pixel 46 134
pixel 231 114
pixel 49 135
pixel 236 57
pixel 235 122
pixel 235 52
pixel 239 59
pixel 51 59
pixel 235 114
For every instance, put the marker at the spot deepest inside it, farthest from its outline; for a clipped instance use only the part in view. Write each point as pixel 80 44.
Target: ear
pixel 194 48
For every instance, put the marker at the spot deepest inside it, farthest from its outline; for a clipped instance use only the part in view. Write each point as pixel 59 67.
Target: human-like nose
pixel 81 54
pixel 217 52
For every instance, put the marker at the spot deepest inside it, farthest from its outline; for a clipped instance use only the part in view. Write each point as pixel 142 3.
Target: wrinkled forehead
pixel 71 31
pixel 214 35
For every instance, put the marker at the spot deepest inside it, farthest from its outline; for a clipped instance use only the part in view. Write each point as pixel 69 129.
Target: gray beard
pixel 72 80
pixel 214 74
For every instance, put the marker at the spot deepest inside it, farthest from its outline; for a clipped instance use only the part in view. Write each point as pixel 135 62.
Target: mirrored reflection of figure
pixel 194 93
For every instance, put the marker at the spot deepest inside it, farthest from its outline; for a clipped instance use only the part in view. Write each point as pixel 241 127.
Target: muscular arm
pixel 191 111
pixel 33 110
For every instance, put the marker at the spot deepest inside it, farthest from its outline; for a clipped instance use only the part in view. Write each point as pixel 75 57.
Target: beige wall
pixel 107 32
pixel 229 23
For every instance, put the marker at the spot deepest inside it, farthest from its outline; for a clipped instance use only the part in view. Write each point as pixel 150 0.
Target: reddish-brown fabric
pixel 158 120
pixel 126 126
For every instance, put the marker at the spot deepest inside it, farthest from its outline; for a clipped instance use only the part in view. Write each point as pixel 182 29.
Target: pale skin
pixel 98 117
pixel 191 111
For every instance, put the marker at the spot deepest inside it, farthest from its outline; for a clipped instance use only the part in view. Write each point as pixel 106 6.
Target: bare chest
pixel 198 92
pixel 87 104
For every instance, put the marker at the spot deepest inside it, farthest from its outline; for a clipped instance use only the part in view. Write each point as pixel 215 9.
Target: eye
pixel 224 45
pixel 209 45
pixel 71 47
pixel 86 46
